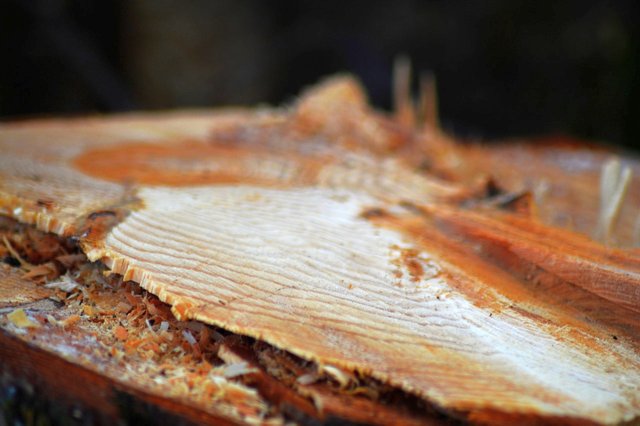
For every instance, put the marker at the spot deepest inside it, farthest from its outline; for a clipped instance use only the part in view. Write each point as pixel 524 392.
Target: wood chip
pixel 120 333
pixel 19 318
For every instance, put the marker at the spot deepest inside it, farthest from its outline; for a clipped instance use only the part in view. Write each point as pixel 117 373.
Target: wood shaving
pixel 19 318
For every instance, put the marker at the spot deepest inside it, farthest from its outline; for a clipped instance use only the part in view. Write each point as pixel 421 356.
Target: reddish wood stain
pixel 189 163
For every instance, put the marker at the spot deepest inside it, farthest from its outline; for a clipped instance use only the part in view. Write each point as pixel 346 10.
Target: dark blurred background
pixel 504 68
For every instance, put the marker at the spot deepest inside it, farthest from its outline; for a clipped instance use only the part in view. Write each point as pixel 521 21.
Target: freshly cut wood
pixel 60 339
pixel 564 176
pixel 74 372
pixel 345 238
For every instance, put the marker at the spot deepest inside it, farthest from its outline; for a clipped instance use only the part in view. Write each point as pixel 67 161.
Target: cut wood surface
pixel 82 330
pixel 564 176
pixel 332 232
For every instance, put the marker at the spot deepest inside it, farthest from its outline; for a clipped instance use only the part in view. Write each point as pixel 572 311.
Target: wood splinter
pixel 614 183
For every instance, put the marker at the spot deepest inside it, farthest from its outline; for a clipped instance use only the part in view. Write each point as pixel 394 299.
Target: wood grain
pixel 564 175
pixel 272 264
pixel 292 227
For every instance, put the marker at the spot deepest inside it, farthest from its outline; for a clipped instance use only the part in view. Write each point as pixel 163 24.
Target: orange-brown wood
pixel 63 391
pixel 349 240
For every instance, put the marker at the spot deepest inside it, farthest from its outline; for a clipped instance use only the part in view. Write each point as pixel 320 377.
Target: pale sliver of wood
pixel 293 261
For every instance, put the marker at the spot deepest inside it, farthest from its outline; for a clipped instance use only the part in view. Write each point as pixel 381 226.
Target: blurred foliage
pixel 504 68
